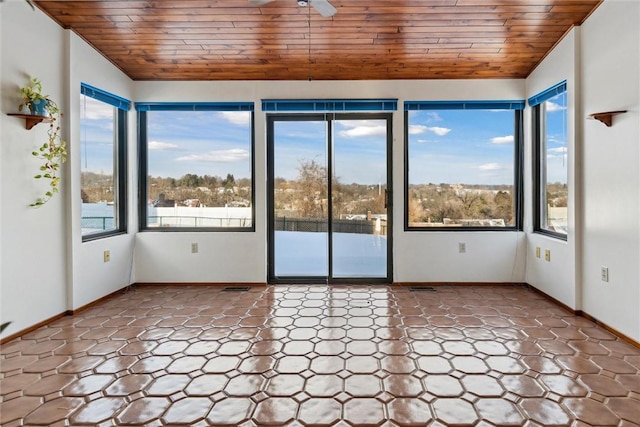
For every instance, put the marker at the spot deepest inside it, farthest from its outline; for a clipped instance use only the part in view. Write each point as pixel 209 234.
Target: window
pixel 463 165
pixel 103 153
pixel 196 166
pixel 550 161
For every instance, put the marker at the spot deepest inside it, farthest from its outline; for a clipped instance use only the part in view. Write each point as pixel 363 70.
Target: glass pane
pixel 359 185
pixel 199 169
pixel 300 196
pixel 98 166
pixel 554 176
pixel 461 168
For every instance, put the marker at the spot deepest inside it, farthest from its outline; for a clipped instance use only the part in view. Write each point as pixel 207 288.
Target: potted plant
pixel 33 98
pixel 54 151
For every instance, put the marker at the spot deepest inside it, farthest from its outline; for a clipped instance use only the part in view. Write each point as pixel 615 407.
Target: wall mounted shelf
pixel 30 119
pixel 606 117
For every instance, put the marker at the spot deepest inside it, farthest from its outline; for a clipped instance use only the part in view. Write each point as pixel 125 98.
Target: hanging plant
pixel 3 326
pixel 54 151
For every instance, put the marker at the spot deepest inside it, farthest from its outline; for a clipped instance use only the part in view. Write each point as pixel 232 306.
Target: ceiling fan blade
pixel 323 7
pixel 259 2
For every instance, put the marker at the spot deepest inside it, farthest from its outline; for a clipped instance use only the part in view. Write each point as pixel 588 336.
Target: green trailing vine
pixel 53 153
pixel 3 326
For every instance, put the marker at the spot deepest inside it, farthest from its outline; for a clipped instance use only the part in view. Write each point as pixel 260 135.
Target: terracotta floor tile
pixel 627 409
pixel 244 385
pixel 143 411
pixel 53 411
pixel 231 412
pixel 339 356
pixel 563 386
pixel 363 385
pixel 522 385
pixel 98 411
pixel 403 385
pixel 409 412
pixel 443 386
pixel 18 408
pixel 80 364
pixel 318 412
pixel 455 412
pixel 48 385
pixel 324 385
pixel 499 412
pixel 591 412
pixel 88 385
pixel 188 410
pixel 482 386
pixel 364 412
pixel 277 411
pixel 129 384
pixel 167 385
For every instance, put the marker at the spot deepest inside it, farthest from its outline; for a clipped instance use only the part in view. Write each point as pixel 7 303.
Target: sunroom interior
pixel 49 267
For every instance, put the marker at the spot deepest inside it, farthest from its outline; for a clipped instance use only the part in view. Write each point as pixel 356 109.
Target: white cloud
pixel 558 150
pixel 218 156
pixel 507 139
pixel 432 116
pixel 236 117
pixel 92 109
pixel 440 131
pixel 364 131
pixel 553 107
pixel 162 146
pixel 490 167
pixel 562 140
pixel 360 128
pixel 419 129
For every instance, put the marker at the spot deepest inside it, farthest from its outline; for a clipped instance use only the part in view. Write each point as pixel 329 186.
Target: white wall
pixel 91 277
pixel 610 67
pixel 418 256
pixel 557 277
pixel 33 275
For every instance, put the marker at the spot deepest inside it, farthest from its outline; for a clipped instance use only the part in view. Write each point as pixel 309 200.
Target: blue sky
pixel 96 135
pixel 203 143
pixel 461 146
pixel 359 149
pixel 451 146
pixel 556 134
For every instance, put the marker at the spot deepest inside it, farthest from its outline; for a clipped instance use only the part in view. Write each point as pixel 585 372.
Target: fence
pixel 314 225
pixel 317 225
pixel 98 223
pixel 196 221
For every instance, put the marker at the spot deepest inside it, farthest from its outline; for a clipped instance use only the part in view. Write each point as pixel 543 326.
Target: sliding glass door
pixel 329 211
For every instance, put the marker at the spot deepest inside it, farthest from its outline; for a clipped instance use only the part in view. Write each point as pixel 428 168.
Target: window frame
pixel 142 109
pixel 538 158
pixel 122 107
pixel 518 161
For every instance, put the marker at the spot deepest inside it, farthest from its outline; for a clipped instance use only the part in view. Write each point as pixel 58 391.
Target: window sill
pixel 551 234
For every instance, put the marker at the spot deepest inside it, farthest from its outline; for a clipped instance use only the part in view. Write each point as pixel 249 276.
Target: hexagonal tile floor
pixel 321 356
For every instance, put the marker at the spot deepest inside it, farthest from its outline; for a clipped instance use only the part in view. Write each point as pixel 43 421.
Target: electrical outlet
pixel 537 251
pixel 107 255
pixel 547 254
pixel 194 248
pixel 604 274
pixel 462 247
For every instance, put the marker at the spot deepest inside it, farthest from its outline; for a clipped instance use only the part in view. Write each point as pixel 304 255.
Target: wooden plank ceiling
pixel 375 39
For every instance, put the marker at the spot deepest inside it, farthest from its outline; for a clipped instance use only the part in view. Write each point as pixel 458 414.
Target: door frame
pixel 329 118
